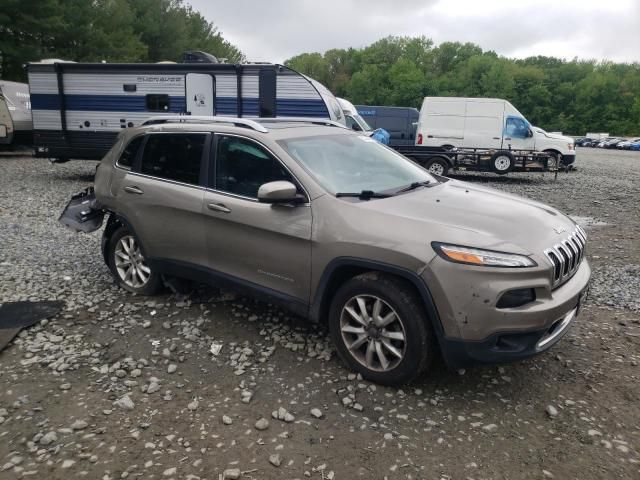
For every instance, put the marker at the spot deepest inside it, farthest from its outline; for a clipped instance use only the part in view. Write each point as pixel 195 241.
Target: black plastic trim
pixel 220 279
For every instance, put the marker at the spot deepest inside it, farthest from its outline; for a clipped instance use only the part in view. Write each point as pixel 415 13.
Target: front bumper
pixel 568 159
pixel 478 332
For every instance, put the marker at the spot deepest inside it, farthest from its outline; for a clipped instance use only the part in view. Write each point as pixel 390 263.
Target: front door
pixel 517 134
pixel 262 245
pixel 161 196
pixel 200 94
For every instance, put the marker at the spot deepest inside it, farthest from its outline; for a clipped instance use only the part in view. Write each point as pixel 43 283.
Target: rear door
pixel 160 193
pixel 200 94
pixel 262 245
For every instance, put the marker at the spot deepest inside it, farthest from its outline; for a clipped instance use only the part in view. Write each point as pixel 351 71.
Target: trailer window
pixel 174 156
pixel 158 103
pixel 129 153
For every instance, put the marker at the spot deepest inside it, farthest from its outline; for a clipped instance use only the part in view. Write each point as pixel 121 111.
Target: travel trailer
pixel 79 108
pixel 485 123
pixel 15 114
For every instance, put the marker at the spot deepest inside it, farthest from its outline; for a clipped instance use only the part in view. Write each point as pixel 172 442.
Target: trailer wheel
pixel 438 166
pixel 502 162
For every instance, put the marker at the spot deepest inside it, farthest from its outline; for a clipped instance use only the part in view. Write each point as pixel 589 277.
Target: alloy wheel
pixel 130 263
pixel 373 333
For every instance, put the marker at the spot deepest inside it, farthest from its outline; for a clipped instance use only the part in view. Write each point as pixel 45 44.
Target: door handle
pixel 496 138
pixel 507 138
pixel 136 190
pixel 218 207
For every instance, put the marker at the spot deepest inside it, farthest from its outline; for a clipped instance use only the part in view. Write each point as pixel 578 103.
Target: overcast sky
pixel 274 30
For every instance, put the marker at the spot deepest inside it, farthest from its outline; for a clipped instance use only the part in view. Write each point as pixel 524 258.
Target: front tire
pixel 128 266
pixel 380 329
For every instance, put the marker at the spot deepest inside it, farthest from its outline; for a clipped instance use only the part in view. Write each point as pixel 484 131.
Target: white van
pixel 485 123
pixel 352 117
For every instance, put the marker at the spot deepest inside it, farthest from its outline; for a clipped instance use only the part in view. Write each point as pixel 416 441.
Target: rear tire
pixel 438 166
pixel 128 265
pixel 380 329
pixel 502 162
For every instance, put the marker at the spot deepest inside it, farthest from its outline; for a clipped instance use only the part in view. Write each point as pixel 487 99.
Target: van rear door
pixel 484 122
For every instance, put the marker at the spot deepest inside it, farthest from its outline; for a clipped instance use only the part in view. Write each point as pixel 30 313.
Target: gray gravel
pixel 181 386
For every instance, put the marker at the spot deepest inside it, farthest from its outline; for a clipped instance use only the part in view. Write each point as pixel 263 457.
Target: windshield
pixel 363 123
pixel 354 163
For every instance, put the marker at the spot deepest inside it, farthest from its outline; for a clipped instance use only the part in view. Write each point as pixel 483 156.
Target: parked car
pixel 486 123
pixel 626 144
pixel 327 222
pixel 635 146
pixel 584 142
pixel 612 143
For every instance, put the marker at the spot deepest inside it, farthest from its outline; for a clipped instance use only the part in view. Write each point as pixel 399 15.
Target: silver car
pixel 400 264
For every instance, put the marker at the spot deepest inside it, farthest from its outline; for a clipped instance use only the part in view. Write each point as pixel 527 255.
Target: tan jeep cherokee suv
pixel 343 230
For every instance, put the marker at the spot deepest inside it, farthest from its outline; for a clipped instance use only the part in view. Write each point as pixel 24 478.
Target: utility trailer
pixel 440 161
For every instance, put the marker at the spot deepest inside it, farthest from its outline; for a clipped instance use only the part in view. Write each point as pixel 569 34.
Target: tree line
pixel 570 96
pixel 109 30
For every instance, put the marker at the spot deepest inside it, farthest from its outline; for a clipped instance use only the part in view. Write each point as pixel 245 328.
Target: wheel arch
pixel 342 269
pixel 114 222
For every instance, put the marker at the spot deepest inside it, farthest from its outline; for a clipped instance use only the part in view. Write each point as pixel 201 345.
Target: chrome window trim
pixel 167 180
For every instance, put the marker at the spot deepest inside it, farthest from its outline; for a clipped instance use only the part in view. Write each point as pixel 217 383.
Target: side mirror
pixel 529 133
pixel 279 192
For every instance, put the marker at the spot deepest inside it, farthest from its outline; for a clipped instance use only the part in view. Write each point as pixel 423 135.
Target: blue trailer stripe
pixel 296 107
pixel 299 107
pixel 101 103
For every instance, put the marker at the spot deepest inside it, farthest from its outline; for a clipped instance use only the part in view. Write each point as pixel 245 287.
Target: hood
pixel 466 214
pixel 554 136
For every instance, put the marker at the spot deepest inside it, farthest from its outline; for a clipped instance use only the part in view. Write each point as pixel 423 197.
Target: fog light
pixel 516 298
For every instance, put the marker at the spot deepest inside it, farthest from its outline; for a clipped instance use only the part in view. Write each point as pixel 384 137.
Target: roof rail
pixel 243 122
pixel 312 120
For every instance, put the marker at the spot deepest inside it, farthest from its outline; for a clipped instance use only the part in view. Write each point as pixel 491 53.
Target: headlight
pixel 570 145
pixel 486 258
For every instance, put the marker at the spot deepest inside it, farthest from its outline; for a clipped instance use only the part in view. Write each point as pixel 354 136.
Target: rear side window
pixel 242 166
pixel 129 153
pixel 174 156
pixel 158 103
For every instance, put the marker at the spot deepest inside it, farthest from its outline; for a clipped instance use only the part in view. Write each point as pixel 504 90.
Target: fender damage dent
pixel 83 213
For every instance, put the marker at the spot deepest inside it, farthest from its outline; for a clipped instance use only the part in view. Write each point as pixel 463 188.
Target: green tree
pixel 109 30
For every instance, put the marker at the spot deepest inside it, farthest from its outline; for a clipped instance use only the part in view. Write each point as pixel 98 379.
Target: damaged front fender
pixel 83 213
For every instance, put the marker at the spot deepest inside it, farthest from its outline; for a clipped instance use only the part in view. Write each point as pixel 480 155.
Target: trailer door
pixel 200 94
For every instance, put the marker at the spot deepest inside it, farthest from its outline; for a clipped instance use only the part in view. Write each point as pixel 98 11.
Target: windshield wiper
pixel 413 186
pixel 363 195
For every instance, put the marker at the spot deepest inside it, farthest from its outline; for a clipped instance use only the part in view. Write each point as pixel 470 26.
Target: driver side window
pixel 516 127
pixel 242 166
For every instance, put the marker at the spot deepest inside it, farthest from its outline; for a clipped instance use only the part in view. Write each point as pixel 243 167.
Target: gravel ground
pixel 120 386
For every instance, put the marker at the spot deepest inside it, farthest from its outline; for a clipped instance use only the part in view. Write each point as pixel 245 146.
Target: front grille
pixel 566 255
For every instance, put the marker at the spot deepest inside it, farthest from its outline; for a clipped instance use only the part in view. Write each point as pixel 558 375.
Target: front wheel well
pixel 343 273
